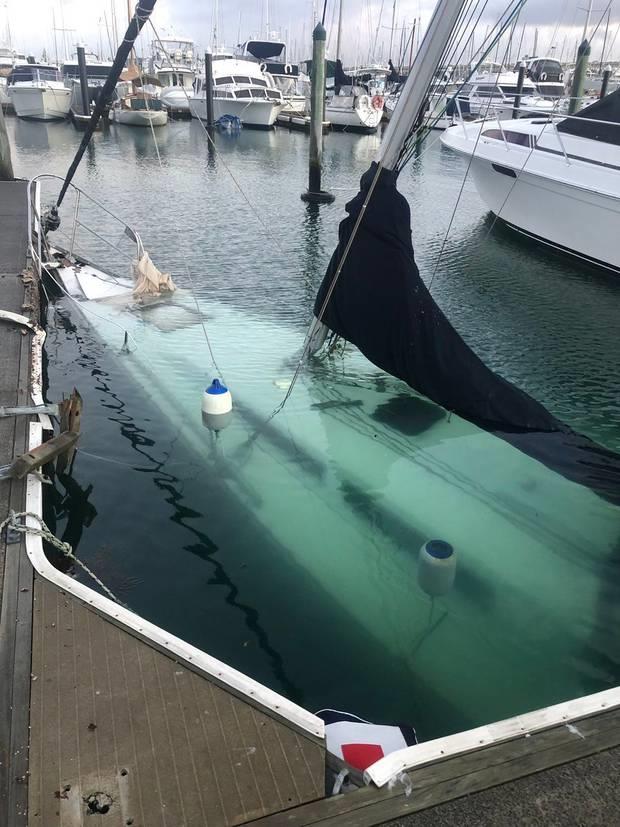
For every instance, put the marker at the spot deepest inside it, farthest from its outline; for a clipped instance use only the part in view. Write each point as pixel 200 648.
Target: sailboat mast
pixel 412 98
pixel 392 29
pixel 605 41
pixel 587 20
pixel 339 38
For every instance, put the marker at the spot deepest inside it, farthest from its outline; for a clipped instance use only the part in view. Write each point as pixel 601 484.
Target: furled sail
pixel 373 296
pixel 380 304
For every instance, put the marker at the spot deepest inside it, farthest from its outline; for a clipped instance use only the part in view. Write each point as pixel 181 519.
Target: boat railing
pixel 81 212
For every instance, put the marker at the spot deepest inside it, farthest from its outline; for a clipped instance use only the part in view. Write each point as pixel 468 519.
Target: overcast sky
pixel 90 21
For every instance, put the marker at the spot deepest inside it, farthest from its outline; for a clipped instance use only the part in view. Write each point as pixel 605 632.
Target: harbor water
pixel 288 546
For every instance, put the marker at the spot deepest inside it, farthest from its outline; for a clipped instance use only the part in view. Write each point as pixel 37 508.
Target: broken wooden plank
pixel 43 454
pixel 29 410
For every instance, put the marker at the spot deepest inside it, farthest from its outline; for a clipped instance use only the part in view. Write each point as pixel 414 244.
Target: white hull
pixel 574 207
pixel 356 114
pixel 584 223
pixel 139 117
pixel 40 103
pixel 175 98
pixel 257 113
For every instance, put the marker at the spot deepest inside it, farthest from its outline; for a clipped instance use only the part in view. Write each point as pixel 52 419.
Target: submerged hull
pixel 141 117
pixel 260 114
pixel 40 104
pixel 514 546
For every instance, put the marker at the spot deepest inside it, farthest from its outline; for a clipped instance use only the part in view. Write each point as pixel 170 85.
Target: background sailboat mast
pixel 412 98
pixel 587 20
pixel 339 37
pixel 392 29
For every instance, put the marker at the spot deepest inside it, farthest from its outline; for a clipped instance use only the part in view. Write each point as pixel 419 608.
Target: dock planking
pixel 116 723
pixel 16 573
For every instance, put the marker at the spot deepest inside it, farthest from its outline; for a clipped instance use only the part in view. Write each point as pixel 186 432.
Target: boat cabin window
pixel 466 89
pixel 483 91
pixel 512 90
pixel 244 93
pixel 24 74
pixel 259 82
pixel 273 94
pixel 242 79
pixel 552 68
pixel 222 81
pixel 519 138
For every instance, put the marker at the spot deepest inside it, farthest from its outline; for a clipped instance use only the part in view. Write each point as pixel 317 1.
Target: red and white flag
pixel 360 743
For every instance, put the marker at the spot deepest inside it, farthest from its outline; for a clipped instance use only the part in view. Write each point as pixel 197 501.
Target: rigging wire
pixel 213 145
pixel 317 320
pixel 181 247
pixel 465 177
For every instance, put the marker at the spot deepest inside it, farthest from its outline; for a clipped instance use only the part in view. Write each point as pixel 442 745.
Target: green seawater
pixel 289 548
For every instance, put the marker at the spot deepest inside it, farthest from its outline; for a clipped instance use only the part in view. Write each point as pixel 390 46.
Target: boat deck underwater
pixel 98 725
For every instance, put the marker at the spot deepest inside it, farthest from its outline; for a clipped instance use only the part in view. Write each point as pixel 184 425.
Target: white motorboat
pixel 241 90
pixel 548 76
pixel 493 94
pixel 173 64
pixel 37 92
pixel 287 77
pixel 9 58
pixel 138 109
pixel 556 179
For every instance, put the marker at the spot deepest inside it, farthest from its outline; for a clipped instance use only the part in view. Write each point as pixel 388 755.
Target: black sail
pixel 381 305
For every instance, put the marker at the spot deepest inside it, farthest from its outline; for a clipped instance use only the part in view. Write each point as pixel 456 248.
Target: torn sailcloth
pixel 148 280
pixel 381 305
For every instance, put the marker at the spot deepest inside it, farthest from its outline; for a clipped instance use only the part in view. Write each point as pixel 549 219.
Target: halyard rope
pixel 13 521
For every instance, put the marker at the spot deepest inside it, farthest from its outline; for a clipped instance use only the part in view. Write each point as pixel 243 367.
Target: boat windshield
pixel 30 73
pixel 528 89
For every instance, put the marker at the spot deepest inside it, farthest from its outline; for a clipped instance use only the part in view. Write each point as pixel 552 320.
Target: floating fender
pixel 216 406
pixel 436 567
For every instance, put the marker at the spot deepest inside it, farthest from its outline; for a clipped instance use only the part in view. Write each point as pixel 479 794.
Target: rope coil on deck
pixel 13 521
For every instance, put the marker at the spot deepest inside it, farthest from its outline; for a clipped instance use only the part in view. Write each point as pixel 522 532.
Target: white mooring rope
pixel 13 521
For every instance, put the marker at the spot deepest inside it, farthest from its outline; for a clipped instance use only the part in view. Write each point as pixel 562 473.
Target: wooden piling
pixel 520 80
pixel 314 194
pixel 209 87
pixel 605 83
pixel 579 76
